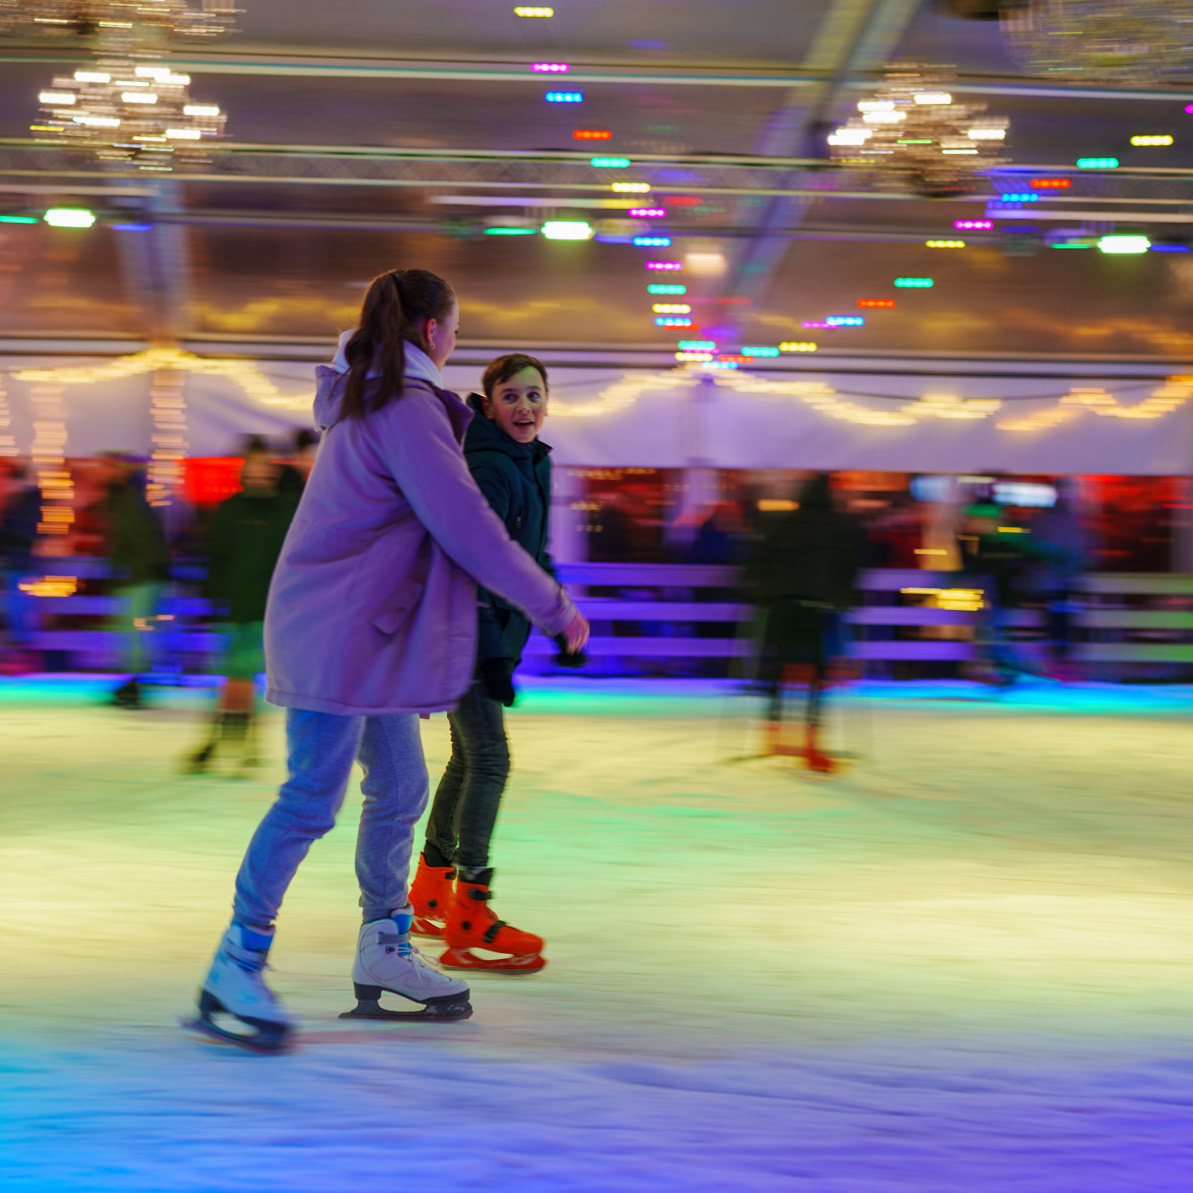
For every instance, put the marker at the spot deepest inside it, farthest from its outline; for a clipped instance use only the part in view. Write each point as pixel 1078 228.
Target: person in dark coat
pixel 20 516
pixel 803 574
pixel 512 466
pixel 292 478
pixel 244 541
pixel 140 561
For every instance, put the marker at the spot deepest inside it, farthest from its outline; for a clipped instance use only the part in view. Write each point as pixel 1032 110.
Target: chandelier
pixel 120 21
pixel 1138 42
pixel 913 129
pixel 130 112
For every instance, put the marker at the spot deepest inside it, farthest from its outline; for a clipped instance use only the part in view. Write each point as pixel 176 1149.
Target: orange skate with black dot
pixel 477 939
pixel 430 896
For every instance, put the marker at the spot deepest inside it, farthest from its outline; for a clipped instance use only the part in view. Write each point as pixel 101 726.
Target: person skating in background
pixel 1064 549
pixel 803 574
pixel 995 555
pixel 244 541
pixel 20 515
pixel 453 884
pixel 295 472
pixel 135 545
pixel 371 620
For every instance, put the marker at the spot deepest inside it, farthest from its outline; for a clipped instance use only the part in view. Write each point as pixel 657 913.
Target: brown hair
pixel 396 307
pixel 504 367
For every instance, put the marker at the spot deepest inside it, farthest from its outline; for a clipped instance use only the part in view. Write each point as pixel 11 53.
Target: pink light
pixel 1189 109
pixel 647 213
pixel 973 225
pixel 814 325
pixel 554 68
pixel 671 265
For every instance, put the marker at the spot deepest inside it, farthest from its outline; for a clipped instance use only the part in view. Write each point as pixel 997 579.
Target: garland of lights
pixel 119 20
pixel 914 129
pixel 1103 39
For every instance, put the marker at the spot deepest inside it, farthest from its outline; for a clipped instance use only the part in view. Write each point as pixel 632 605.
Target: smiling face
pixel 518 405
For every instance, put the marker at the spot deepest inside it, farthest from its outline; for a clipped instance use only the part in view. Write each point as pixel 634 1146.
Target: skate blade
pixel 467 959
pixel 261 1043
pixel 446 1012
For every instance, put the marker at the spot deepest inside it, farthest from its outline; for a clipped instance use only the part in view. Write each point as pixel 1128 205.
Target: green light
pixel 914 283
pixel 69 217
pixel 1097 163
pixel 509 231
pixel 567 230
pixel 760 352
pixel 1124 244
pixel 610 163
pixel 18 219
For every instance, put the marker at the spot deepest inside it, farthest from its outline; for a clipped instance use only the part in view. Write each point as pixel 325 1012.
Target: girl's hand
pixel 575 633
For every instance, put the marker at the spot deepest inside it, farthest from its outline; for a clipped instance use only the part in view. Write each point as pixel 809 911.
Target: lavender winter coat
pixel 373 604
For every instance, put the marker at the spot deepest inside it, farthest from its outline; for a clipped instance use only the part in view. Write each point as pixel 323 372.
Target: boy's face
pixel 519 405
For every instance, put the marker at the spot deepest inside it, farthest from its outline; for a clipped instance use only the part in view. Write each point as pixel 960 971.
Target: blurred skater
pixel 803 574
pixel 453 883
pixel 20 515
pixel 995 554
pixel 371 620
pixel 296 471
pixel 244 541
pixel 135 545
pixel 1063 550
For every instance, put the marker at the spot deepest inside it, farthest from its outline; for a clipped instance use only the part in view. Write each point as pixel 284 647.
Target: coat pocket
pixel 399 607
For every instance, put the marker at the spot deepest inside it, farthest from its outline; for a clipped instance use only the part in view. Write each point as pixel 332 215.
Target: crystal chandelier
pixel 129 112
pixel 1140 42
pixel 914 130
pixel 118 21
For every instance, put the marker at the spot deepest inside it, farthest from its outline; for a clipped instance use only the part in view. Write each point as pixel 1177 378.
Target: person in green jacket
pixel 512 466
pixel 244 541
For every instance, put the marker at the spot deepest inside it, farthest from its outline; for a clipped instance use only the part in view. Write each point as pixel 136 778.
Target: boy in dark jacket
pixel 513 469
pixel 244 542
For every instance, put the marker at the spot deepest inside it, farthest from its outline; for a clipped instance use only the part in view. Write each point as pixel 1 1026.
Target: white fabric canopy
pixel 667 418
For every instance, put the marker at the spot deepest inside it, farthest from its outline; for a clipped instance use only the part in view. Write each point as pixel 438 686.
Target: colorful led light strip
pixel 1051 184
pixel 697 345
pixel 509 232
pixel 609 163
pixel 565 97
pixel 974 225
pixel 876 302
pixel 691 356
pixel 18 219
pixel 1097 163
pixel 551 68
pixel 647 213
pixel 653 242
pixel 797 346
pixel 914 283
pixel 522 11
pixel 944 244
pixel 673 266
pixel 662 288
pixel 814 325
pixel 671 308
pixel 1150 140
pixel 592 134
pixel 631 188
pixel 845 321
pixel 1016 197
pixel 760 352
pixel 669 321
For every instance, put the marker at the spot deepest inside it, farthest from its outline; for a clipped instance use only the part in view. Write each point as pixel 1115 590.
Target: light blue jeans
pixel 322 748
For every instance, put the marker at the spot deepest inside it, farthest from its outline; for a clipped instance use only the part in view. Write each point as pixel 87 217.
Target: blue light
pixel 845 321
pixel 1170 248
pixel 652 242
pixel 1018 197
pixel 565 97
pixel 132 227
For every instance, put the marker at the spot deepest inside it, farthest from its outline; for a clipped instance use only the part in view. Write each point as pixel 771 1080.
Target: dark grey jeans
pixel 464 810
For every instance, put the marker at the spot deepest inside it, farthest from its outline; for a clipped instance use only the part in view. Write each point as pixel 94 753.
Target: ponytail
pixel 395 310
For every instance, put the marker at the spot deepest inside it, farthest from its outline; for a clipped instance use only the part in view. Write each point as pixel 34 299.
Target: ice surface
pixel 960 967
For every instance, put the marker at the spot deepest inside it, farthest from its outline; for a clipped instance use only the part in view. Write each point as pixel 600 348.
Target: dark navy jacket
pixel 516 480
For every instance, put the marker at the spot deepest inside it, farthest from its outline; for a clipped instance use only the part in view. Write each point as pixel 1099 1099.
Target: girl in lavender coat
pixel 372 620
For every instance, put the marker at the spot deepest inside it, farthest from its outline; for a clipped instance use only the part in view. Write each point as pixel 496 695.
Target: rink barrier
pixel 650 611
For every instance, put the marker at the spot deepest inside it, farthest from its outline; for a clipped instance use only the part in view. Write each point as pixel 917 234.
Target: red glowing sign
pixel 1052 184
pixel 875 302
pixel 592 134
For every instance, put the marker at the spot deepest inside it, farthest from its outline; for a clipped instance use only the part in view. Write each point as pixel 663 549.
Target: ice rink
pixel 961 966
